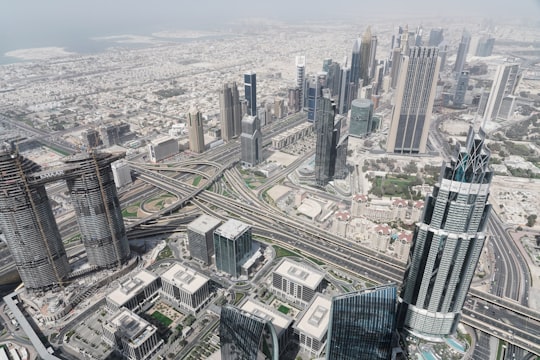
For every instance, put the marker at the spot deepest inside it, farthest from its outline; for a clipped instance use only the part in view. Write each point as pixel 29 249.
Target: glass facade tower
pixel 362 324
pixel 232 246
pixel 250 90
pixel 447 244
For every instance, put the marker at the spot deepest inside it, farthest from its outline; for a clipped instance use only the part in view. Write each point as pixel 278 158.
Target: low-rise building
pixel 185 288
pixel 312 325
pixel 162 148
pixel 135 293
pixel 201 237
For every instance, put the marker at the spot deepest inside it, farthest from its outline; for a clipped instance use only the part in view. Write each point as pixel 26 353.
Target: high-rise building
pixel 485 46
pixel 97 208
pixel 230 110
pixel 185 288
pixel 200 234
pixel 355 76
pixel 333 79
pixel 504 84
pixel 301 77
pixel 28 223
pixel 415 94
pixel 347 90
pixel 368 48
pixel 251 141
pixel 196 131
pixel 314 86
pixel 244 335
pixel 362 325
pixel 396 63
pixel 447 243
pixel 162 148
pixel 463 50
pixel 341 143
pixel 91 138
pixel 250 92
pixel 435 37
pixel 361 117
pixel 325 140
pixel 294 101
pixel 232 246
pixel 461 88
pixel 121 173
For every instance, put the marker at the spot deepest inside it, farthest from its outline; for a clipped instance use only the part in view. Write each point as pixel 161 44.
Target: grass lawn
pixel 281 252
pixel 165 253
pixel 165 321
pixel 283 309
pixel 238 296
pixel 197 180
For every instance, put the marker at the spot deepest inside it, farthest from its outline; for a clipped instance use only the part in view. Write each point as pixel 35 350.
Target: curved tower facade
pixel 27 220
pixel 447 244
pixel 93 195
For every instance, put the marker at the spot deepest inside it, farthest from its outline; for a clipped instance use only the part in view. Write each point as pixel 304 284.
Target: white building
pixel 162 148
pixel 296 282
pixel 135 293
pixel 132 336
pixel 185 288
pixel 312 325
pixel 121 173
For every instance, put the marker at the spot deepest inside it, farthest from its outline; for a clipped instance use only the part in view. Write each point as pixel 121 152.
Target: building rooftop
pixel 185 278
pixel 280 321
pixel 314 320
pixel 132 327
pixel 203 224
pixel 300 273
pixel 131 286
pixel 162 139
pixel 232 229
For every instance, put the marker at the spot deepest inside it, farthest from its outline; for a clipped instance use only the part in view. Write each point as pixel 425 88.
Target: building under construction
pixel 27 220
pixel 93 194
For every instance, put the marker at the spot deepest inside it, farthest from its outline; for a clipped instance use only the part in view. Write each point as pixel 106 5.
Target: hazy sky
pixel 27 19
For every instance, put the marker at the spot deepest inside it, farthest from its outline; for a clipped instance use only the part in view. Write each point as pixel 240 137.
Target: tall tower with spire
pixel 196 131
pixel 447 243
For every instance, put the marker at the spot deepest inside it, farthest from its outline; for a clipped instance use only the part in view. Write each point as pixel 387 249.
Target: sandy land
pixel 42 53
pixel 184 34
pixel 128 39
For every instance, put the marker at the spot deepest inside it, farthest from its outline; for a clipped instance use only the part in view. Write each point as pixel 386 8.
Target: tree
pixel 531 220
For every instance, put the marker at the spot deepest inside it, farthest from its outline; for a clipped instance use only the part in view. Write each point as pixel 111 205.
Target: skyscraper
pixel 200 234
pixel 333 78
pixel 447 243
pixel 355 76
pixel 415 94
pixel 485 46
pixel 347 90
pixel 246 336
pixel 435 37
pixel 250 91
pixel 325 141
pixel 361 117
pixel 504 84
pixel 232 246
pixel 251 141
pixel 368 48
pixel 28 223
pixel 314 86
pixel 230 110
pixel 94 197
pixel 362 325
pixel 461 88
pixel 463 49
pixel 301 77
pixel 196 132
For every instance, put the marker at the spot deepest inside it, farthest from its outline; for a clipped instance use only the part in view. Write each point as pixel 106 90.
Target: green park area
pixel 165 321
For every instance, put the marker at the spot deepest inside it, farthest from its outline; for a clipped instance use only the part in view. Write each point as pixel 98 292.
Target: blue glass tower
pixel 362 324
pixel 246 336
pixel 250 90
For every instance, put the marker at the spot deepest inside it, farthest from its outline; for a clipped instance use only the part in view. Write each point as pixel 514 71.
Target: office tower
pixel 415 94
pixel 447 243
pixel 200 233
pixel 232 246
pixel 435 37
pixel 396 63
pixel 418 36
pixel 250 92
pixel 312 325
pixel 131 336
pixel 314 86
pixel 28 224
pixel 185 288
pixel 504 84
pixel 137 293
pixel 333 79
pixel 246 336
pixel 324 149
pixel 355 63
pixel 368 47
pixel 251 141
pixel 362 324
pixel 361 116
pixel 230 110
pixel 279 108
pixel 485 46
pixel 162 148
pixel 301 77
pixel 196 131
pixel 443 53
pixel 121 173
pixel 294 102
pixel 463 49
pixel 461 88
pixel 326 65
pixel 97 208
pixel 347 90
pixel 91 138
pixel 341 143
